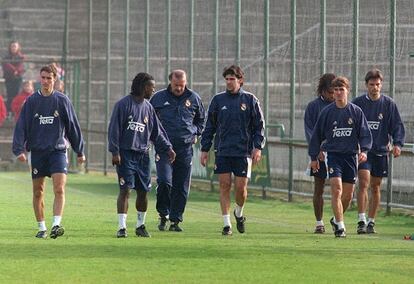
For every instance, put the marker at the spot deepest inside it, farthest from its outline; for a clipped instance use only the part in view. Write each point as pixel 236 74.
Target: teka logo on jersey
pixel 342 132
pixel 136 126
pixel 373 125
pixel 46 119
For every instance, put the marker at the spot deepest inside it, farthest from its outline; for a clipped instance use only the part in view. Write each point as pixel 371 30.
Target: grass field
pixel 278 247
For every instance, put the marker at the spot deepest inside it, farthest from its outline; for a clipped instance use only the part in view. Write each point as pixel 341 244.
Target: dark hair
pixel 325 83
pixel 49 69
pixel 341 82
pixel 235 71
pixel 139 82
pixel 374 74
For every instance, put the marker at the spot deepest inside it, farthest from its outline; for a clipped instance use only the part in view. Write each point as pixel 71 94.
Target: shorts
pixel 134 171
pixel 44 164
pixel 342 165
pixel 239 166
pixel 321 173
pixel 376 164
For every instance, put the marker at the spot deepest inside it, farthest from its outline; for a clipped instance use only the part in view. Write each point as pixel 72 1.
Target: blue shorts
pixel 376 164
pixel 321 173
pixel 44 164
pixel 134 171
pixel 342 165
pixel 239 166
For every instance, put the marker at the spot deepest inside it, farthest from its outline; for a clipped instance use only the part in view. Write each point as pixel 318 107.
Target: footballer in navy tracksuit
pixel 325 97
pixel 182 115
pixel 236 123
pixel 47 119
pixel 311 116
pixel 133 126
pixel 342 131
pixel 385 123
pixel 387 129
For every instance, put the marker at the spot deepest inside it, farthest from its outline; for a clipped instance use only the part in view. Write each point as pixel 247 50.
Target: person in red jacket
pixel 19 100
pixel 3 111
pixel 13 70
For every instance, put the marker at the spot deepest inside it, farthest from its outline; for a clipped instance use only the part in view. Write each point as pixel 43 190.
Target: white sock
pixel 334 219
pixel 361 217
pixel 320 223
pixel 42 226
pixel 122 220
pixel 226 219
pixel 238 211
pixel 341 225
pixel 371 220
pixel 56 220
pixel 141 218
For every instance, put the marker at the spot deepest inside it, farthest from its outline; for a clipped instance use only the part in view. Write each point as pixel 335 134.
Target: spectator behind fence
pixel 3 111
pixel 13 70
pixel 18 101
pixel 59 86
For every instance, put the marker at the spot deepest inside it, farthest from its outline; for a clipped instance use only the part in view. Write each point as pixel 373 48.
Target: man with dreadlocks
pixel 133 125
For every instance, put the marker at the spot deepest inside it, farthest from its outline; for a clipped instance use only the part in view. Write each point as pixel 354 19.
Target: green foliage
pixel 278 247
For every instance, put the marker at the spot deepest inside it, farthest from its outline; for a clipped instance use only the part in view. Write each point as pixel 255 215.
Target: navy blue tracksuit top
pixel 43 124
pixel 311 115
pixel 384 122
pixel 237 124
pixel 341 130
pixel 182 117
pixel 133 125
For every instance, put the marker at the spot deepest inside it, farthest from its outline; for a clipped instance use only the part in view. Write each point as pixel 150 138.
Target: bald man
pixel 182 114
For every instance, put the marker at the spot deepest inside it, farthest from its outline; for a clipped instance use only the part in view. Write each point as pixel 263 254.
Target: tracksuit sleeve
pixel 159 136
pixel 73 130
pixel 397 128
pixel 200 118
pixel 316 139
pixel 114 130
pixel 211 127
pixel 308 123
pixel 258 126
pixel 365 136
pixel 20 132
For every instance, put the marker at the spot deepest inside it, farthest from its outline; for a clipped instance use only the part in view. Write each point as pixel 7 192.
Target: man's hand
pixel 81 159
pixel 315 166
pixel 396 151
pixel 321 156
pixel 362 157
pixel 204 158
pixel 22 157
pixel 116 160
pixel 256 156
pixel 171 156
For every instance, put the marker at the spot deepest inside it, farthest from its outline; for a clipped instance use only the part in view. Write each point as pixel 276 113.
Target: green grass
pixel 278 247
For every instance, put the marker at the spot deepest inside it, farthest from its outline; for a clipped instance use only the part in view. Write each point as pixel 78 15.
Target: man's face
pixel 47 80
pixel 178 86
pixel 328 95
pixel 374 87
pixel 232 83
pixel 149 89
pixel 341 94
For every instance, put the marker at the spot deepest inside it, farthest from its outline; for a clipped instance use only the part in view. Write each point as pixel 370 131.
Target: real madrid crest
pixel 243 107
pixel 187 103
pixel 56 113
pixel 146 119
pixel 350 121
pixel 380 116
